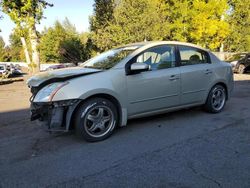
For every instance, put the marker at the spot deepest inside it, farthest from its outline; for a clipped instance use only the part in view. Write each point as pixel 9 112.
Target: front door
pixel 157 88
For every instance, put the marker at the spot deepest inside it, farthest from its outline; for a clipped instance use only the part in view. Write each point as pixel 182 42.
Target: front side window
pixel 160 57
pixel 192 56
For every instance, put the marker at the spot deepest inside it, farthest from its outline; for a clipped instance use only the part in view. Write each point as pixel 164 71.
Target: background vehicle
pixel 240 62
pixel 128 82
pixel 54 67
pixel 3 70
pixel 15 70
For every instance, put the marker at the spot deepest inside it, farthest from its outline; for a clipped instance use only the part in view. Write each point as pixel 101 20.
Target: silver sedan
pixel 128 82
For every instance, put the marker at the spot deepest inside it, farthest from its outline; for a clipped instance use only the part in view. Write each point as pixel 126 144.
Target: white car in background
pixel 3 70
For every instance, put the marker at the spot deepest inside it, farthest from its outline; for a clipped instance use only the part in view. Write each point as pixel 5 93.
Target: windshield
pixel 110 58
pixel 2 67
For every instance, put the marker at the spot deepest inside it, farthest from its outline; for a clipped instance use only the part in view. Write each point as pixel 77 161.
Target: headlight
pixel 47 93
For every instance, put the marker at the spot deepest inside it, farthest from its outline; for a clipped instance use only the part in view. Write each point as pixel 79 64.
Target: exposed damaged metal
pixel 56 115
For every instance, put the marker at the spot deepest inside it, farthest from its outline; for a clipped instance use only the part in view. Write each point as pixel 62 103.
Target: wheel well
pixel 105 96
pixel 247 68
pixel 223 85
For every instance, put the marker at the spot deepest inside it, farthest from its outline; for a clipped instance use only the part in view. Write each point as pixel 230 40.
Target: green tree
pixel 26 14
pixel 71 50
pixel 2 49
pixel 198 22
pixel 90 48
pixel 103 14
pixel 61 44
pixel 239 21
pixel 69 27
pixel 207 26
pixel 15 48
pixel 50 42
pixel 134 21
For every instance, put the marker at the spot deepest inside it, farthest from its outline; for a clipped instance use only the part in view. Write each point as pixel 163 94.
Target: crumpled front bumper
pixel 56 115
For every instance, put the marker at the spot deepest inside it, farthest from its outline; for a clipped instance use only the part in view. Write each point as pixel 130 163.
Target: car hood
pixel 47 77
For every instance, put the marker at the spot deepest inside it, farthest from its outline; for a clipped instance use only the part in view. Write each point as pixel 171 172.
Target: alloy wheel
pixel 99 121
pixel 218 98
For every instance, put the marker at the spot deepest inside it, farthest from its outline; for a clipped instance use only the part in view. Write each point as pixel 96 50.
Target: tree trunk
pixel 26 52
pixel 34 42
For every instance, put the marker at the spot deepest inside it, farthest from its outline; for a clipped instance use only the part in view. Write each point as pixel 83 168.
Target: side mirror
pixel 138 67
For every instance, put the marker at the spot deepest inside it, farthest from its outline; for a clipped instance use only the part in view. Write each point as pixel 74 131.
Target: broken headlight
pixel 47 93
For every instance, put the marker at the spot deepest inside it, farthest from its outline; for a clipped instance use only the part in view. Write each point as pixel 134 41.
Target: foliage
pixel 208 27
pixel 103 14
pixel 2 49
pixel 239 20
pixel 208 23
pixel 196 21
pixel 15 48
pixel 133 21
pixel 25 14
pixel 71 50
pixel 61 43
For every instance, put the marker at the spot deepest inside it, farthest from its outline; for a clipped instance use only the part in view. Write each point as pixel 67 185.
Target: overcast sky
pixel 77 11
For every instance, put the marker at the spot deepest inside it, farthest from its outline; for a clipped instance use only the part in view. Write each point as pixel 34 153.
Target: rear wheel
pixel 96 119
pixel 241 69
pixel 216 99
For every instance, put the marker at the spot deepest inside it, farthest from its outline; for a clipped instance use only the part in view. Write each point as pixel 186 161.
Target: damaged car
pixel 128 82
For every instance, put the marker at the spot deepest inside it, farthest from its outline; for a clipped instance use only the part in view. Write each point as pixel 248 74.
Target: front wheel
pixel 216 99
pixel 241 69
pixel 96 119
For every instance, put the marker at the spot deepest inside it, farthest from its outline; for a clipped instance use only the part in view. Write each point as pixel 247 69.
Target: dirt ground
pixel 189 148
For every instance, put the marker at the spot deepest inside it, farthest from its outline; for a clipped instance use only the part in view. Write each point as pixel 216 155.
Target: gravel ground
pixel 188 148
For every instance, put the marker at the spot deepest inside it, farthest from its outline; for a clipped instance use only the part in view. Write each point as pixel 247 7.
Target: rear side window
pixel 192 56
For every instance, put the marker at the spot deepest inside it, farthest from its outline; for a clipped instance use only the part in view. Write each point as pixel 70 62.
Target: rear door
pixel 196 74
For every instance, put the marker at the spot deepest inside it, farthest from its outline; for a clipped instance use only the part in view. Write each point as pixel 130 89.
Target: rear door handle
pixel 174 77
pixel 208 71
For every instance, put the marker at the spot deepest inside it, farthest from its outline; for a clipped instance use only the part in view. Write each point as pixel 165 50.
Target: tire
pixel 216 99
pixel 96 119
pixel 241 69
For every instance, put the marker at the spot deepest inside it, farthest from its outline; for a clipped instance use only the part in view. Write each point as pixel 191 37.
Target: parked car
pixel 128 82
pixel 54 67
pixel 15 70
pixel 3 70
pixel 240 62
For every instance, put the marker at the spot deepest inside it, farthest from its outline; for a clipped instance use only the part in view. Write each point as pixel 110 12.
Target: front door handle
pixel 208 71
pixel 174 77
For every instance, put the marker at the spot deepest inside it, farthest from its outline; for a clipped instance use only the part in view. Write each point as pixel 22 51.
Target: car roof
pixel 155 43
